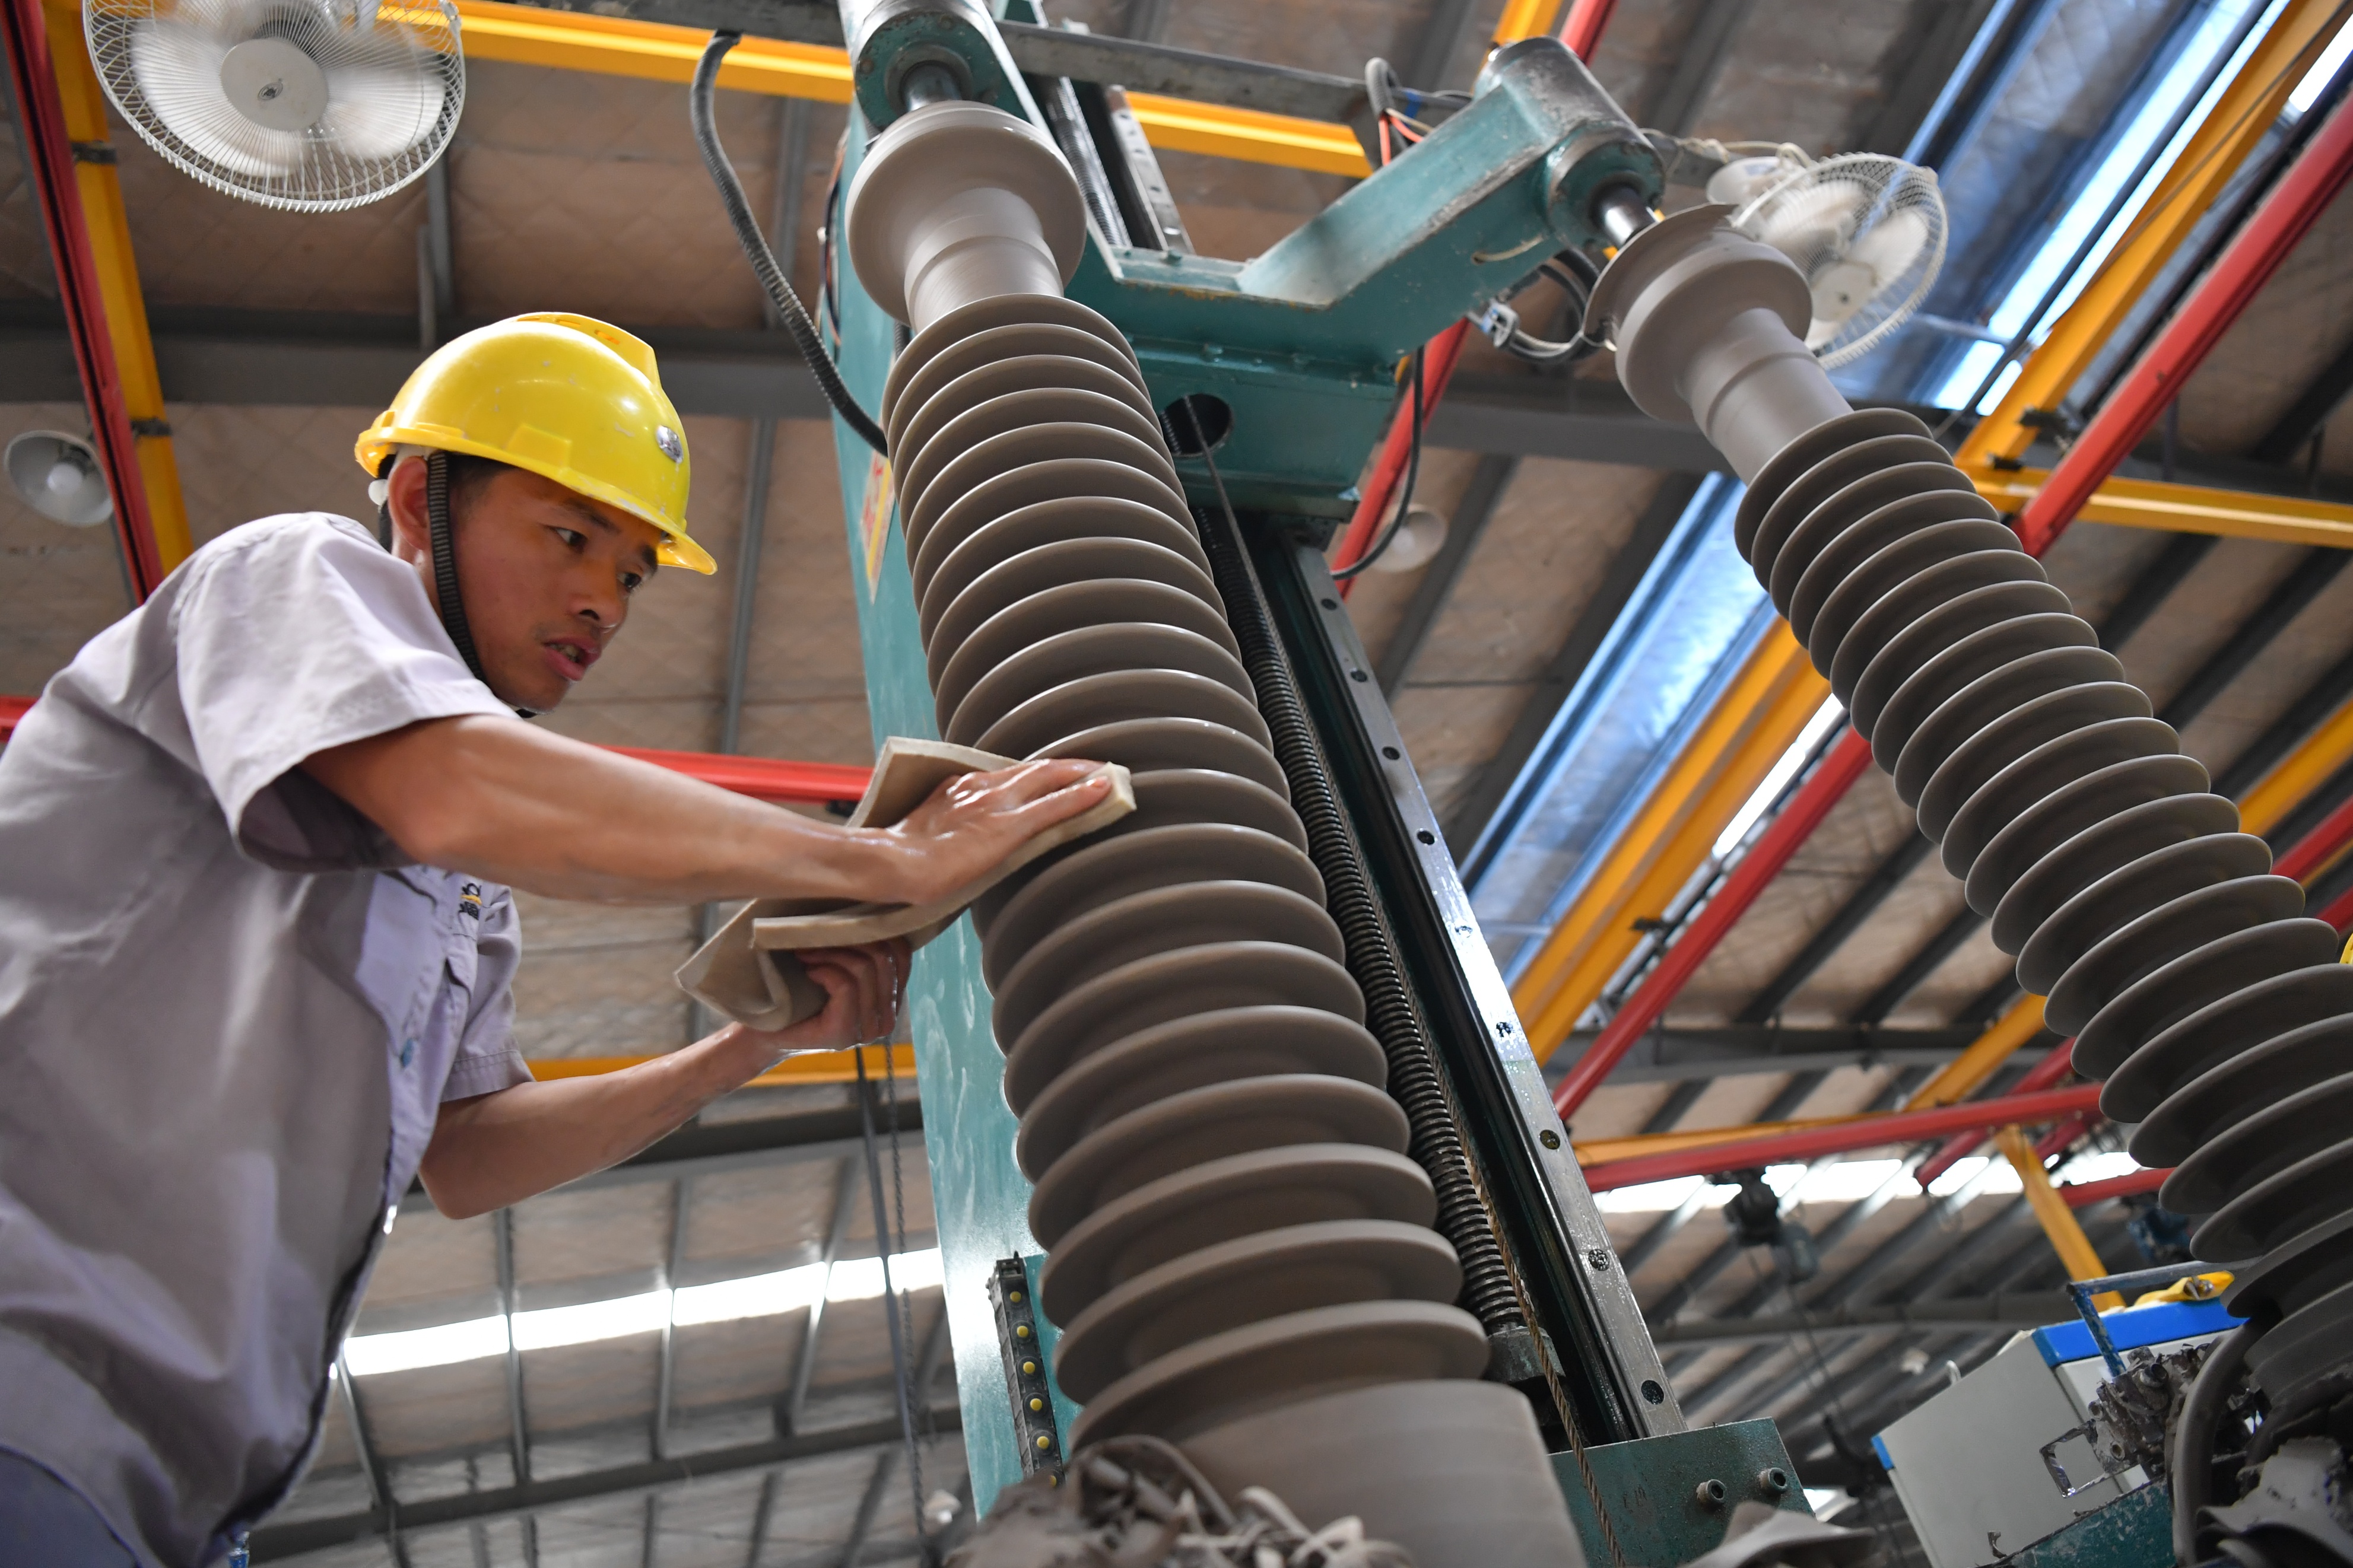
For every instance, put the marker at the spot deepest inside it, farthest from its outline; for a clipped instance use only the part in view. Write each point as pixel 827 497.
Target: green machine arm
pixel 1302 343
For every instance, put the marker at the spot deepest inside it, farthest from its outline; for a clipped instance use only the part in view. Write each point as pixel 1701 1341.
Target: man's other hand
pixel 974 821
pixel 863 988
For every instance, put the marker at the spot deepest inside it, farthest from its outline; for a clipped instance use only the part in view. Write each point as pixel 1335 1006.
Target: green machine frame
pixel 1300 348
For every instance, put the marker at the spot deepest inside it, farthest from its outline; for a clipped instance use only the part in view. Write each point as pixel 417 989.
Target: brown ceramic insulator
pixel 1172 995
pixel 2186 971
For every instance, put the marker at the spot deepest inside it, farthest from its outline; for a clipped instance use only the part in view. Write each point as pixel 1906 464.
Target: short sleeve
pixel 487 1060
pixel 294 636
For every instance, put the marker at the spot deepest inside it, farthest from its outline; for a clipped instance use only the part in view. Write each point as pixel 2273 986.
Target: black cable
pixel 2192 1459
pixel 1405 496
pixel 890 1298
pixel 755 245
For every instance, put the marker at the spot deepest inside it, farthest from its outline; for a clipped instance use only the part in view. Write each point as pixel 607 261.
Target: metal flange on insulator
pixel 2186 973
pixel 1239 1250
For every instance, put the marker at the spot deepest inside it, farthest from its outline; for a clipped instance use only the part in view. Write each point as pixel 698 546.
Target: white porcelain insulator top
pixel 959 202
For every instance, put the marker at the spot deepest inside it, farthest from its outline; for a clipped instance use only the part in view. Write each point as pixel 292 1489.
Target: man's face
pixel 546 574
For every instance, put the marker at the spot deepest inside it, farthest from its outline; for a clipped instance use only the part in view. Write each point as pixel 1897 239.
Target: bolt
pixel 1710 1494
pixel 1046 1442
pixel 1598 1257
pixel 1391 753
pixel 1549 1138
pixel 1028 1369
pixel 1427 837
pixel 1359 675
pixel 1021 1331
pixel 1772 1480
pixel 1651 1393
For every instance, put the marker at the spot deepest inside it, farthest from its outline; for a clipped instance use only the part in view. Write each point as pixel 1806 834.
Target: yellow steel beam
pixel 2214 152
pixel 809 1067
pixel 2182 508
pixel 2008 1033
pixel 2303 769
pixel 118 281
pixel 609 46
pixel 568 40
pixel 1248 135
pixel 1600 1151
pixel 1524 19
pixel 2059 1221
pixel 1756 720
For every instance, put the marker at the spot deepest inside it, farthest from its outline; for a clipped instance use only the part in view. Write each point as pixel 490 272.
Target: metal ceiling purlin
pixel 654 51
pixel 98 282
pixel 2212 155
pixel 1757 719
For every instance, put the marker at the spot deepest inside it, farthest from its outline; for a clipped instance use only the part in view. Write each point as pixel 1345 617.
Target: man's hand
pixel 974 821
pixel 498 1149
pixel 863 989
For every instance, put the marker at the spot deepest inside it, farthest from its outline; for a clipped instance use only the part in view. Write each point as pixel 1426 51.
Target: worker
pixel 256 942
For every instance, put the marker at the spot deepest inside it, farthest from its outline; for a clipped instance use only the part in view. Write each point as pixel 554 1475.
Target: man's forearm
pixel 498 1149
pixel 500 799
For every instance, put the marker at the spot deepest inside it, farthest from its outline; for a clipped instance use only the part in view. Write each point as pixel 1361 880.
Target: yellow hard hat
pixel 565 396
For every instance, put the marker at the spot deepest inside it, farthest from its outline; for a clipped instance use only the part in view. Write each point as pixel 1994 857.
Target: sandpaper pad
pixel 747 970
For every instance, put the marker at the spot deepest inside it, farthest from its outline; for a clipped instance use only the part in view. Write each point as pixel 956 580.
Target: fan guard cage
pixel 1882 196
pixel 395 84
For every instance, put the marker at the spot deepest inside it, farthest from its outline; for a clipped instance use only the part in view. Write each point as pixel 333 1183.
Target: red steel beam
pixel 2083 1195
pixel 2062 1138
pixel 11 708
pixel 2313 852
pixel 812 782
pixel 2052 1071
pixel 2339 913
pixel 2253 254
pixel 50 155
pixel 1843 1137
pixel 1582 31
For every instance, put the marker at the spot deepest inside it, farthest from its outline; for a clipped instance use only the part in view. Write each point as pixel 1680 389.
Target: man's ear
pixel 412 532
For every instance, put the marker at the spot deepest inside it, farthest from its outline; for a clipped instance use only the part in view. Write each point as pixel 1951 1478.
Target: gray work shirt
pixel 229 1010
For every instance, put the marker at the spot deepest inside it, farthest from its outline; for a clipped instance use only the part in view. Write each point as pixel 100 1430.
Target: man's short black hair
pixel 467 476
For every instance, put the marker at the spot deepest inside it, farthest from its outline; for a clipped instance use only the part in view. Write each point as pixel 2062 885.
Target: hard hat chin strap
pixel 447 597
pixel 445 562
